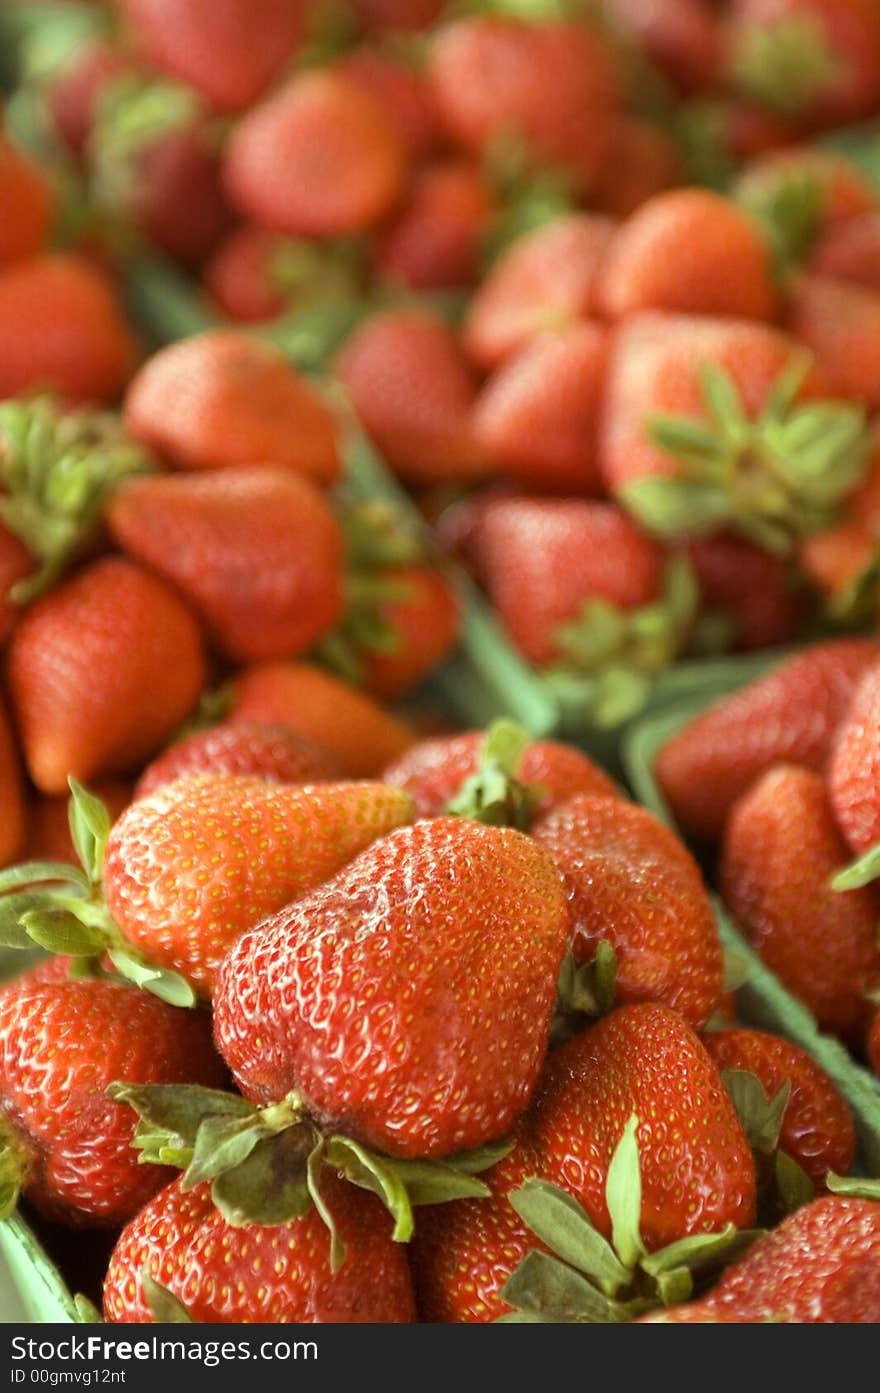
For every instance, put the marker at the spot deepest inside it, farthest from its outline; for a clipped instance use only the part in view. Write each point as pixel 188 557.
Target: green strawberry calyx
pixel 861 872
pixel 783 1185
pixel 609 658
pixel 588 988
pixel 57 471
pixel 790 210
pixel 61 907
pixel 265 1164
pixel 784 65
pixel 495 794
pixel 773 479
pixel 854 1186
pixel 15 1163
pixel 584 1278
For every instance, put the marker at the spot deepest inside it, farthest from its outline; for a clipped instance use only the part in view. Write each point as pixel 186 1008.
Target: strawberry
pixel 752 596
pixel 48 821
pixel 536 418
pixel 402 15
pixel 581 590
pixel 76 90
pixel 547 280
pixel 67 1146
pixel 435 242
pixel 419 621
pixel 816 60
pixel 359 735
pixel 841 560
pixel 682 37
pixel 644 161
pixel 101 671
pixel 239 276
pixel 468 919
pixel 632 886
pixel 16 564
pixel 27 204
pixel 706 427
pixel 184 1244
pixel 850 251
pixel 221 399
pixel 855 765
pixel 840 189
pixel 162 879
pixel 401 89
pixel 413 393
pixel 790 714
pixel 840 323
pixel 551 87
pixel 257 552
pixel 62 327
pixel 256 748
pixel 728 268
pixel 12 822
pixel 229 50
pixel 816 1128
pixel 781 851
pixel 319 158
pixel 818 1267
pixel 442 771
pixel 691 1173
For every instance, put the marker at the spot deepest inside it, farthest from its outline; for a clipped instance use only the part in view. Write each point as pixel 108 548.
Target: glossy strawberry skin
pixel 257 552
pixel 279 1275
pixel 543 558
pixel 433 771
pixel 817 1127
pixel 781 850
pixel 854 769
pixel 789 715
pixel 631 883
pixel 62 1043
pixel 256 748
pixel 101 671
pixel 547 280
pixel 820 1266
pixel 431 964
pixel 696 1167
pixel 197 862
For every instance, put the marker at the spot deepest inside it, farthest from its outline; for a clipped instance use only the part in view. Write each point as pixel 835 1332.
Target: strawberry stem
pixel 784 65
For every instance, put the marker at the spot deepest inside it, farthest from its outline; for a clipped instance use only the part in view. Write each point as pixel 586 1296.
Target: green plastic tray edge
pixel 764 1000
pixel 40 1285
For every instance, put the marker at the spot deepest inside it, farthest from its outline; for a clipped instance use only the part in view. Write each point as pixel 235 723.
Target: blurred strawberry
pixel 850 251
pixel 12 797
pixel 48 820
pixel 27 204
pixel 75 91
pixel 682 37
pixel 644 161
pixel 749 597
pixel 840 323
pixel 402 90
pixel 435 242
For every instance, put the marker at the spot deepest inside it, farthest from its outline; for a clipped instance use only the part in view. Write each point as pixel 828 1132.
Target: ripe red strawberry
pixel 401 15
pixel 222 399
pixel 257 552
pixel 257 748
pixel 840 323
pixel 27 204
pixel 413 393
pixel 840 559
pixel 434 772
pixel 358 733
pixel 547 280
pixel 101 671
pixel 544 559
pixel 16 562
pixel 644 161
pixel 788 715
pixel 850 251
pixel 781 851
pixel 536 418
pixel 467 920
pixel 816 60
pixel 239 276
pixel 691 404
pixel 229 50
pixel 61 1043
pixel 755 596
pixel 817 1128
pixel 319 158
pixel 11 793
pixel 820 1266
pixel 421 620
pixel 681 36
pixel 197 862
pixel 854 767
pixel 228 1274
pixel 401 89
pixel 62 327
pixel 633 885
pixel 728 268
pixel 697 1172
pixel 436 240
pixel 48 822
pixel 177 200
pixel 552 87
